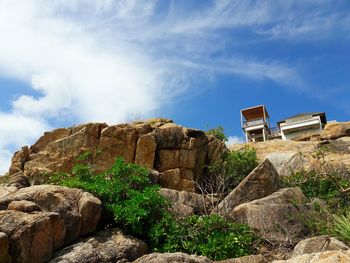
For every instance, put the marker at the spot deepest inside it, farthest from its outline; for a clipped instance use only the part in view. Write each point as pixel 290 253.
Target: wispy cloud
pixel 234 140
pixel 108 60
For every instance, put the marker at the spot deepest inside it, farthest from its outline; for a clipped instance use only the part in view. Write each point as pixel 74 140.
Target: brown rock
pixel 4 248
pixel 335 130
pixel 18 160
pixel 104 246
pixel 177 257
pixel 246 259
pixel 167 159
pixel 277 217
pixel 169 136
pixel 90 209
pixel 19 180
pixel 48 137
pixel 318 244
pixel 321 257
pixel 146 150
pixel 262 181
pixel 23 206
pixel 171 178
pixel 30 236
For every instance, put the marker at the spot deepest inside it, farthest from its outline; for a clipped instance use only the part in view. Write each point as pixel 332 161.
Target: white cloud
pixel 234 140
pixel 108 60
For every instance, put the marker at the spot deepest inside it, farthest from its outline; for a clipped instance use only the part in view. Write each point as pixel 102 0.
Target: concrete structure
pixel 255 123
pixel 301 124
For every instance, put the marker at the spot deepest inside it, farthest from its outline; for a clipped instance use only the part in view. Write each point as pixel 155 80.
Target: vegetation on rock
pixel 218 133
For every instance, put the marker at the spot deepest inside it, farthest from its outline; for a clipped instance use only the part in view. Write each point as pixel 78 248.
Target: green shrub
pixel 218 132
pixel 227 173
pixel 125 191
pixel 342 226
pixel 210 236
pixel 327 186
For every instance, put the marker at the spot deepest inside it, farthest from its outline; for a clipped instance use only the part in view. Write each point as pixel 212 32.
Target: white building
pixel 302 124
pixel 255 123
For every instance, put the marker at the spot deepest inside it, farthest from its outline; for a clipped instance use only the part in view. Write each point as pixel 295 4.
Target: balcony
pixel 254 122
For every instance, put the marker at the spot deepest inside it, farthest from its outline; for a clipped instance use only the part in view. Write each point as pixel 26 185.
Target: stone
pixel 167 159
pixel 146 150
pixel 23 206
pixel 30 236
pixel 19 180
pixel 54 216
pixel 4 248
pixel 335 130
pixel 277 217
pixel 321 257
pixel 318 244
pixel 246 259
pixel 177 257
pixel 262 181
pixel 18 160
pixel 286 163
pixel 169 136
pixel 180 211
pixel 170 178
pixel 104 246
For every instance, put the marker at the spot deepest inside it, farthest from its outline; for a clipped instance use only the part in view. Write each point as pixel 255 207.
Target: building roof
pixel 255 112
pixel 305 114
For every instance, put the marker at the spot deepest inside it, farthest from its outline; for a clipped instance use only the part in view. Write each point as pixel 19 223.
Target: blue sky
pixel 64 62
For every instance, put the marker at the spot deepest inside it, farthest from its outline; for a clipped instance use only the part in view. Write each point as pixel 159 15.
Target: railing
pixel 253 123
pixel 274 131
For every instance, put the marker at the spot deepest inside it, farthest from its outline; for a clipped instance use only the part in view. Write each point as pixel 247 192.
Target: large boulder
pixel 177 257
pixel 277 217
pixel 104 246
pixel 246 259
pixel 39 220
pixel 4 248
pixel 286 163
pixel 321 257
pixel 179 153
pixel 335 130
pixel 262 181
pixel 318 244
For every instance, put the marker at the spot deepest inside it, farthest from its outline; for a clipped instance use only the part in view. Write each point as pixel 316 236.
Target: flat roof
pixel 300 115
pixel 255 112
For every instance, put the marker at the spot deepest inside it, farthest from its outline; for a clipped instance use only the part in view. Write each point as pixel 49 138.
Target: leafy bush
pixel 125 191
pixel 210 236
pixel 218 132
pixel 327 186
pixel 227 173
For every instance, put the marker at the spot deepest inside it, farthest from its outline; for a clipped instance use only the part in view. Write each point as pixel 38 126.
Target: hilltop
pixel 175 191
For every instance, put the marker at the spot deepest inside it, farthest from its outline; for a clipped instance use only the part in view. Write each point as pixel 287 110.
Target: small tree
pixel 218 132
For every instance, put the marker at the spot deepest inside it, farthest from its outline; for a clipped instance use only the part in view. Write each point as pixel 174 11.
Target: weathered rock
pixel 321 257
pixel 277 217
pixel 104 246
pixel 4 248
pixel 23 206
pixel 199 203
pixel 262 181
pixel 246 259
pixel 19 180
pixel 145 150
pixel 180 211
pixel 172 257
pixel 30 236
pixel 286 163
pixel 157 144
pixel 335 130
pixel 318 244
pixel 53 216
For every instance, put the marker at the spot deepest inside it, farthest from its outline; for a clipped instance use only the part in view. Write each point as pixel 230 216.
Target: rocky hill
pixel 50 223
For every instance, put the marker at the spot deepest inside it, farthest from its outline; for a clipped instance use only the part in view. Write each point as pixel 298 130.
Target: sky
pixel 198 62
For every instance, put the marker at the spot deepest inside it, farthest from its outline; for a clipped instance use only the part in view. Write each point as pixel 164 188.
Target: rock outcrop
pixel 321 257
pixel 177 257
pixel 277 217
pixel 318 244
pixel 178 153
pixel 335 130
pixel 262 181
pixel 104 246
pixel 39 220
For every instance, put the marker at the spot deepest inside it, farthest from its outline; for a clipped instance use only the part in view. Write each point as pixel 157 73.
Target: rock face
pixel 262 181
pixel 277 217
pixel 246 259
pixel 178 153
pixel 286 163
pixel 39 220
pixel 335 130
pixel 318 244
pixel 321 257
pixel 172 257
pixel 105 246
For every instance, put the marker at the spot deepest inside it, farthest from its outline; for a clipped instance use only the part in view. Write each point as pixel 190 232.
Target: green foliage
pixel 227 173
pixel 218 132
pixel 342 226
pixel 210 236
pixel 125 191
pixel 327 186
